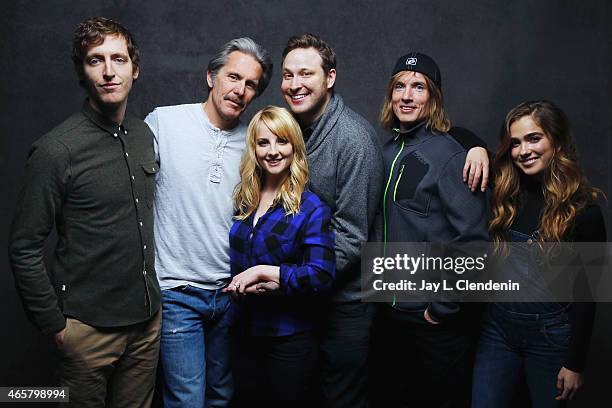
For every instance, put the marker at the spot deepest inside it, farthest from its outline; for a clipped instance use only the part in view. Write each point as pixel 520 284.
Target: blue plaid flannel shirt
pixel 303 246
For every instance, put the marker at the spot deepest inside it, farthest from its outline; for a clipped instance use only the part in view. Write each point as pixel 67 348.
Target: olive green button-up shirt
pixel 94 180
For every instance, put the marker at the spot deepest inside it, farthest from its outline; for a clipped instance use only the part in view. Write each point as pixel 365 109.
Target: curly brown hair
pixel 92 32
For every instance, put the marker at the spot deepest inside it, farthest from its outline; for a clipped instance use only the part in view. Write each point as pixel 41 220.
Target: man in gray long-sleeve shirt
pixel 93 177
pixel 346 172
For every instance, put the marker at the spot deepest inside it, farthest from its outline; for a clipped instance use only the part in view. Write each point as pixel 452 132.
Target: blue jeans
pixel 195 348
pixel 511 342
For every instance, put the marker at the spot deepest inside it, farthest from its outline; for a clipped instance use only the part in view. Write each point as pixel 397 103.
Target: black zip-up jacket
pixel 95 181
pixel 426 200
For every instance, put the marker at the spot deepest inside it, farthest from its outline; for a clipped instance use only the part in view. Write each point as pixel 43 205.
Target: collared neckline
pixel 104 122
pixel 414 135
pixel 412 129
pixel 307 131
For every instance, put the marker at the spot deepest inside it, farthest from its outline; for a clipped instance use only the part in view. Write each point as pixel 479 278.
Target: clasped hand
pixel 256 279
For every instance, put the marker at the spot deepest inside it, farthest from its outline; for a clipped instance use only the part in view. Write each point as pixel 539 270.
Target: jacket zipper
pixel 385 204
pixel 385 198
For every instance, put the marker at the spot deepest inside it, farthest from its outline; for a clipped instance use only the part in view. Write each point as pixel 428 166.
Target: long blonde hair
pixel 566 191
pixel 437 119
pixel 247 192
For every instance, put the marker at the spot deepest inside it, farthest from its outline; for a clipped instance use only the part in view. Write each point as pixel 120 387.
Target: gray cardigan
pixel 346 172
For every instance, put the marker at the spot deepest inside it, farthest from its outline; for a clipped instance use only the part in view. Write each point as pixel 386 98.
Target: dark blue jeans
pixel 532 337
pixel 511 342
pixel 195 348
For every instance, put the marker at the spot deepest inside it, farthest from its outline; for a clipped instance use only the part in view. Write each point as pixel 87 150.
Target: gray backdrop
pixel 493 55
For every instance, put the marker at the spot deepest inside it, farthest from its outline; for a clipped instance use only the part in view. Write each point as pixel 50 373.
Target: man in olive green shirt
pixel 93 177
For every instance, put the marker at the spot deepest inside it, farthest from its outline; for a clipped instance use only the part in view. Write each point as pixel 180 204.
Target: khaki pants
pixel 112 367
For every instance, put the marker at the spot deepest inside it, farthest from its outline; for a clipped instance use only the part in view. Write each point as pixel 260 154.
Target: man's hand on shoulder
pixel 476 166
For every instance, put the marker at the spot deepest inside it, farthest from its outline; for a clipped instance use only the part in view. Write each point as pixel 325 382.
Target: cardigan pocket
pixel 150 170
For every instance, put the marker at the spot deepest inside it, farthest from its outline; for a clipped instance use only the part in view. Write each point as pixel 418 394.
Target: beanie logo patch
pixel 411 61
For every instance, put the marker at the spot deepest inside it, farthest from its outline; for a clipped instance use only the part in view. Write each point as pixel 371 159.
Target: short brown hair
pixel 93 32
pixel 437 119
pixel 313 41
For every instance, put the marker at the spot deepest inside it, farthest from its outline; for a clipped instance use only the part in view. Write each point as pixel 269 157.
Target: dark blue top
pixel 589 226
pixel 303 246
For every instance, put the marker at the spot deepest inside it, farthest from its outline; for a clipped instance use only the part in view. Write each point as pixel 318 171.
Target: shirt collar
pixel 102 121
pixel 414 127
pixel 307 131
pixel 410 132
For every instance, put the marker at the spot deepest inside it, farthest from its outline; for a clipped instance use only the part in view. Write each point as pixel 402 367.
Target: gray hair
pixel 246 46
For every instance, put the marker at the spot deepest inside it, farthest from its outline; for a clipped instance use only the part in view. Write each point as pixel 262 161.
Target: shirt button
pixel 530 241
pixel 125 132
pixel 144 273
pixel 144 247
pixel 114 135
pixel 140 223
pixel 133 178
pixel 136 200
pixel 126 154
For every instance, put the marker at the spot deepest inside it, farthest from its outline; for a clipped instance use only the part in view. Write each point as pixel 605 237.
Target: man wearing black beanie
pixel 428 345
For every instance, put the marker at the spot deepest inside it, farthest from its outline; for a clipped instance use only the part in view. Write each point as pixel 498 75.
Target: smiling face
pixel 274 154
pixel 531 148
pixel 234 87
pixel 305 85
pixel 108 75
pixel 409 98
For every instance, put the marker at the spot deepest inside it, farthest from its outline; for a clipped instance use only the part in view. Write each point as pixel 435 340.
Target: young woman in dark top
pixel 539 194
pixel 282 260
